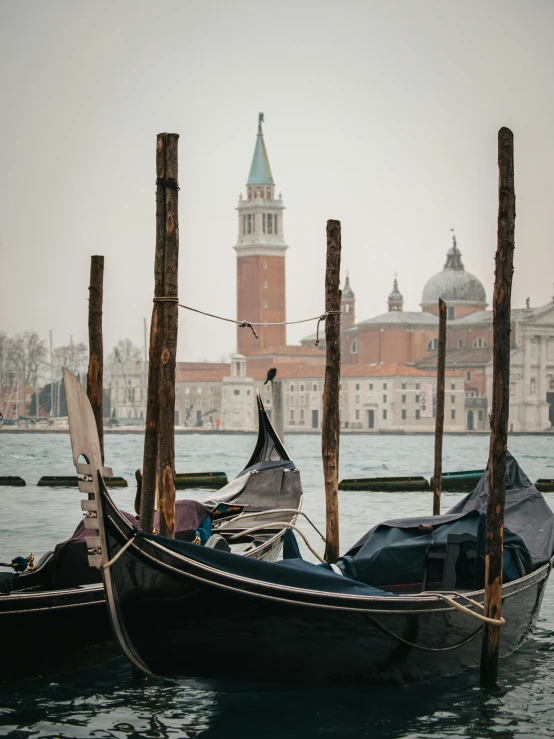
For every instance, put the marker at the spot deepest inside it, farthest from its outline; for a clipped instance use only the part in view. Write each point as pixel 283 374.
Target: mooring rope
pixel 280 510
pixel 251 324
pixel 118 555
pixel 401 639
pixel 282 524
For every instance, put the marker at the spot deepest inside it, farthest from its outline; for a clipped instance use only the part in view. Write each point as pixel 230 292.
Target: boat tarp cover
pixel 293 573
pixel 70 566
pixel 394 552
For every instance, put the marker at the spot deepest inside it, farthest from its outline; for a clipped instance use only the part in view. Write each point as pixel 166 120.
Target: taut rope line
pixel 251 324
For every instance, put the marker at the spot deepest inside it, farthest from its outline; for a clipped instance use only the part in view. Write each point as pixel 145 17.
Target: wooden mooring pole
pixel 439 420
pixel 330 427
pixel 500 406
pixel 95 374
pixel 159 437
pixel 277 420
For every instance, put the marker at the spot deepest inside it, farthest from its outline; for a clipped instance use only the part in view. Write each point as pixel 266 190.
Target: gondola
pixel 56 614
pixel 404 604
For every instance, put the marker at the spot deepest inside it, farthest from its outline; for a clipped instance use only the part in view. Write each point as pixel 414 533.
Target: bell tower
pixel 260 251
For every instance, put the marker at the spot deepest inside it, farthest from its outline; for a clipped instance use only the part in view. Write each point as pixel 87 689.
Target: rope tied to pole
pixel 168 182
pixel 251 324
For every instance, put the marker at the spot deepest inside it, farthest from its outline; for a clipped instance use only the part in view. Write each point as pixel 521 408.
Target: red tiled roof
pixel 214 375
pixel 287 350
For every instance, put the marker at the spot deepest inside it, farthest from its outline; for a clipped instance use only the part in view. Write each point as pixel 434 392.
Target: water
pixel 106 702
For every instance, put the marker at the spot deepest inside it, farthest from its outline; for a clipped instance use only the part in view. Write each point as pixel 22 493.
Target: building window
pixel 268 190
pixel 357 415
pixel 384 386
pixel 275 223
pixel 244 224
pixel 403 398
pixel 403 386
pixel 354 347
pixel 451 313
pixel 301 388
pixel 301 414
pixel 452 398
pixel 199 390
pixel 249 228
pixel 292 388
pixel 357 398
pixel 384 398
pixel 453 414
pixel 357 387
pixel 236 392
pixel 269 223
pixel 403 414
pixel 417 414
pixel 417 398
pixel 177 389
pixel 452 386
pixel 417 386
pixel 468 376
pixel 292 414
pixel 265 303
pixel 211 389
pixel 460 343
pixel 263 222
pixel 479 343
pixel 314 387
pixel 265 283
pixel 265 265
pixel 292 400
pixel 371 386
pixel 302 400
pixel 385 414
pixel 249 193
pixel 433 344
pixel 481 415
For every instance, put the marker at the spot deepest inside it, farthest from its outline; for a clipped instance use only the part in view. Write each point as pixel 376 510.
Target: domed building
pixel 460 290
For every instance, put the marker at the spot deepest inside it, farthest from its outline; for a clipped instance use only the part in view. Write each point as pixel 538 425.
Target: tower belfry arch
pixel 260 252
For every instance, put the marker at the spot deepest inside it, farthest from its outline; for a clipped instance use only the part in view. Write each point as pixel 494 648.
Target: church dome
pixel 454 285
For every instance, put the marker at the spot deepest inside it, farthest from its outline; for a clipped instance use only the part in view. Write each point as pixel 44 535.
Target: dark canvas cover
pixel 70 566
pixel 394 552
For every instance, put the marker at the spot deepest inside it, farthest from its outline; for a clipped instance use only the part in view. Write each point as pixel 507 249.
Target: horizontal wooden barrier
pixel 459 482
pixel 386 484
pixel 545 486
pixel 11 481
pixel 211 480
pixel 70 481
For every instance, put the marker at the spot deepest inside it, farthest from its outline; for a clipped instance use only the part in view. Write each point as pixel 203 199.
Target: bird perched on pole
pixel 272 371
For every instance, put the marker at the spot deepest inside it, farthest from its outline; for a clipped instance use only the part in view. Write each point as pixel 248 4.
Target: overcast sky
pixel 381 114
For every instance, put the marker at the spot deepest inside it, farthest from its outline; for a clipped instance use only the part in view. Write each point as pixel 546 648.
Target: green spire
pixel 260 171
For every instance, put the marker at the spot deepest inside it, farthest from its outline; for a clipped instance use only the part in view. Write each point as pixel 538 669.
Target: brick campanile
pixel 260 256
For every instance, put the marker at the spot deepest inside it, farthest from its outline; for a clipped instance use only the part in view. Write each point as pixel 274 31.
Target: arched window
pixel 433 344
pixel 451 313
pixel 479 343
pixel 354 347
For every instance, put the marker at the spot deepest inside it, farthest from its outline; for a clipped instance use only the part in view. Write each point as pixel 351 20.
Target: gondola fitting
pixel 60 607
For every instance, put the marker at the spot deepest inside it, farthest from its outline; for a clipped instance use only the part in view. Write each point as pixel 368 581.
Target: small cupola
pixel 395 299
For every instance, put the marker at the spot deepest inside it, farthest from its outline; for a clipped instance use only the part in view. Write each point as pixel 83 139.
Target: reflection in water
pixel 107 702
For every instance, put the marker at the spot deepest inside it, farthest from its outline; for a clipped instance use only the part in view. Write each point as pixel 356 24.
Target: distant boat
pixel 60 608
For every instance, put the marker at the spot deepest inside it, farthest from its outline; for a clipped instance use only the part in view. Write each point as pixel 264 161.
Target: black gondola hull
pixel 213 625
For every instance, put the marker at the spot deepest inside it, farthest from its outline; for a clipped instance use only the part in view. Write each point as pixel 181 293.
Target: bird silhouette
pixel 272 371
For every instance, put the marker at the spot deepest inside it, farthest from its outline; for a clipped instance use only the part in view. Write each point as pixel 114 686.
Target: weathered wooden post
pixel 159 438
pixel 330 427
pixel 500 406
pixel 95 374
pixel 439 421
pixel 277 419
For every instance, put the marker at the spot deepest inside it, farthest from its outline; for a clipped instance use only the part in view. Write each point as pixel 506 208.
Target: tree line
pixel 25 361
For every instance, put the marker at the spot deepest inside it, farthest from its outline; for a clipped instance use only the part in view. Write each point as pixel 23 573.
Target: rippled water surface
pixel 107 702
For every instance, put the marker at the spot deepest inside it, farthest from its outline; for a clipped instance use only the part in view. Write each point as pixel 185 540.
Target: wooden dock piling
pixel 277 419
pixel 95 374
pixel 159 438
pixel 330 427
pixel 439 420
pixel 500 406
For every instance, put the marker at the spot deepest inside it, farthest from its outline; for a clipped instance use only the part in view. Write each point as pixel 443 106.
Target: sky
pixel 382 114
